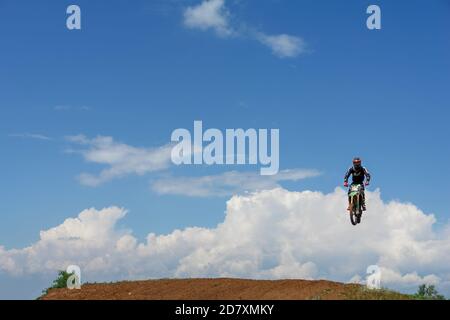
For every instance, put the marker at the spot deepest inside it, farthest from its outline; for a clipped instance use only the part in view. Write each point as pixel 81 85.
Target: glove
pixel 345 184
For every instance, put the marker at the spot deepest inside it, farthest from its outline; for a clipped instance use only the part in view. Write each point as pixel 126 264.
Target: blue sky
pixel 135 72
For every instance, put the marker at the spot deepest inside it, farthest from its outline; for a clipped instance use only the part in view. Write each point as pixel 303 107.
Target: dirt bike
pixel 356 201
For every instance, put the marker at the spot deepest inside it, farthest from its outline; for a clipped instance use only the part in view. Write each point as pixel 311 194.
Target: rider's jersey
pixel 358 176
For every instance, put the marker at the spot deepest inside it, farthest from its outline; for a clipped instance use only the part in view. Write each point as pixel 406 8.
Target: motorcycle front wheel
pixel 356 212
pixel 354 216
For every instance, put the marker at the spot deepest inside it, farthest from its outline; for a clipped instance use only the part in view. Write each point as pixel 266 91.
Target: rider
pixel 358 173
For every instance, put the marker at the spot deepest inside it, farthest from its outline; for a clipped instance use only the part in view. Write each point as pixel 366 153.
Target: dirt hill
pixel 222 289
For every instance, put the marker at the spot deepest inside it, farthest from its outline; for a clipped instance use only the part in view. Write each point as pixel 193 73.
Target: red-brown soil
pixel 220 289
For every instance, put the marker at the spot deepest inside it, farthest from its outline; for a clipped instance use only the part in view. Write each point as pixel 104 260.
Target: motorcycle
pixel 356 201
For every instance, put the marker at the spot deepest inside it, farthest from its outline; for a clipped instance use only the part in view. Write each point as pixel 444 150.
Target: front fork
pixel 362 196
pixel 351 200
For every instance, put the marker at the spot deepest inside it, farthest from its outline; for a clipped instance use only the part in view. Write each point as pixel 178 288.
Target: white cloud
pixel 283 45
pixel 266 235
pixel 228 183
pixel 86 237
pixel 412 279
pixel 212 14
pixel 120 158
pixel 35 136
pixel 209 14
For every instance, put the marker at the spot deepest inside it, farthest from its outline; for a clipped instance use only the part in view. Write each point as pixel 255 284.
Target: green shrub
pixel 428 292
pixel 60 282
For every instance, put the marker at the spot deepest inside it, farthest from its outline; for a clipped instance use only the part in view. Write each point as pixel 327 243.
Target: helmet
pixel 357 163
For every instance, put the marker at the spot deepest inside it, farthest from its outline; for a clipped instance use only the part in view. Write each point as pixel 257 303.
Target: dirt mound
pixel 221 289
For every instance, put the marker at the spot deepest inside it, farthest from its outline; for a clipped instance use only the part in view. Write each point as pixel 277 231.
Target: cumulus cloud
pixel 86 237
pixel 269 234
pixel 228 183
pixel 209 14
pixel 120 158
pixel 283 45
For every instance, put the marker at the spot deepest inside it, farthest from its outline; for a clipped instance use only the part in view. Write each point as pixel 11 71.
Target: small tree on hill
pixel 428 292
pixel 60 282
